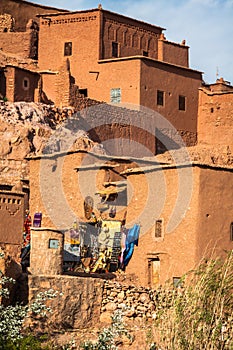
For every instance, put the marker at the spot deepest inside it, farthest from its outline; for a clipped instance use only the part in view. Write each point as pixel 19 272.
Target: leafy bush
pixel 109 336
pixel 12 318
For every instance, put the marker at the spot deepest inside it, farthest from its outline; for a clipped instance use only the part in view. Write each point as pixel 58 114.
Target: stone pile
pixel 134 302
pixel 24 113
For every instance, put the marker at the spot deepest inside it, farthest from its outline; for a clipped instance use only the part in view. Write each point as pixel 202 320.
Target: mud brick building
pixel 52 55
pixel 116 59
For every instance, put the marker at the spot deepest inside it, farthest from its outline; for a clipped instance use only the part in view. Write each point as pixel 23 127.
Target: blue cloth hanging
pixel 131 241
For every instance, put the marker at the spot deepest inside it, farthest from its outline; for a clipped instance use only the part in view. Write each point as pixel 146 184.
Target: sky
pixel 206 25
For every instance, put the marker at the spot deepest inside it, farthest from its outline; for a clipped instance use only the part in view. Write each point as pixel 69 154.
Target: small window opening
pixel 53 243
pixel 160 98
pixel 145 53
pixel 211 110
pixel 83 92
pixel 115 95
pixel 68 49
pixel 231 231
pixel 114 49
pixel 182 103
pixel 25 83
pixel 158 228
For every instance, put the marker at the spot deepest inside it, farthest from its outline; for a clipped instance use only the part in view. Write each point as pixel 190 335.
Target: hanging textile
pixel 37 220
pixel 131 241
pixel 123 245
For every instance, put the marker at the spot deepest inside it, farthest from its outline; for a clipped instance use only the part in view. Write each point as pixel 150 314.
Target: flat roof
pixel 145 169
pixel 154 163
pixel 141 57
pixel 106 11
pixel 211 93
pixel 40 5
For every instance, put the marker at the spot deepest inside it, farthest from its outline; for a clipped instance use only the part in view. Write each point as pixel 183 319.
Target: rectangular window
pixel 160 97
pixel 158 228
pixel 182 103
pixel 231 231
pixel 145 53
pixel 68 49
pixel 115 95
pixel 53 243
pixel 83 92
pixel 114 49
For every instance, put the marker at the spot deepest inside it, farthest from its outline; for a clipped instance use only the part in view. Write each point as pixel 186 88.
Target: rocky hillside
pixel 25 129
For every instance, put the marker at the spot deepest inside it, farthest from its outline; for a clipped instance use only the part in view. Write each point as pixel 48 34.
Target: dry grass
pixel 198 315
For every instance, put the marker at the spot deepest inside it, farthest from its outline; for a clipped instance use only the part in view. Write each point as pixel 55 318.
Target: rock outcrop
pixel 28 129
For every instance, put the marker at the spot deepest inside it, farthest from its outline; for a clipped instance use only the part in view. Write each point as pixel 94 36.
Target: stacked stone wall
pixel 83 302
pixel 6 23
pixel 133 301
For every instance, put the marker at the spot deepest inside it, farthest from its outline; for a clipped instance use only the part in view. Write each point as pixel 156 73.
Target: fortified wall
pixel 23 44
pixel 22 11
pixel 215 120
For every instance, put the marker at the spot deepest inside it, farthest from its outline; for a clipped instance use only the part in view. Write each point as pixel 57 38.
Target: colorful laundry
pixel 131 240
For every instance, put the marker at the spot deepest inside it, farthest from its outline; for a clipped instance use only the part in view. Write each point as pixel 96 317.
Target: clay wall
pixel 22 11
pixel 174 82
pixel 58 190
pixel 12 208
pixel 49 86
pixel 173 53
pixel 128 132
pixel 138 81
pixel 123 74
pixel 203 232
pixel 21 84
pixel 10 83
pixel 80 29
pixel 215 120
pixel 46 256
pixel 16 43
pixel 22 92
pixel 79 305
pixel 133 38
pixel 153 197
pixel 63 86
pixel 214 213
pixel 39 200
pixel 2 84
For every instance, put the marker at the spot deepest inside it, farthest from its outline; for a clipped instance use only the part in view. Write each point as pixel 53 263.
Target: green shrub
pixel 109 336
pixel 12 318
